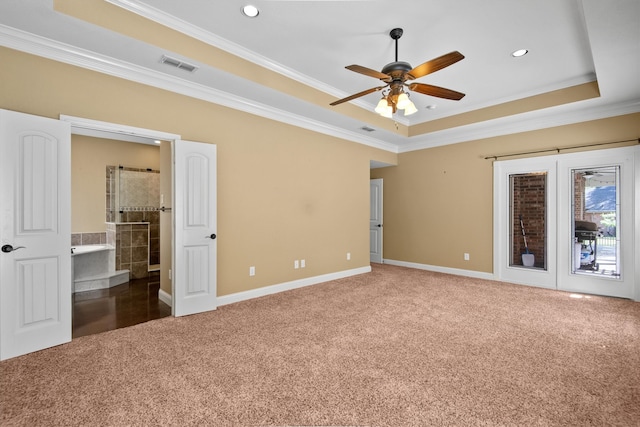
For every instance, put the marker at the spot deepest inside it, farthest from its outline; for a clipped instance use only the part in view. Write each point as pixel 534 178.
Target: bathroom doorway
pixel 117 180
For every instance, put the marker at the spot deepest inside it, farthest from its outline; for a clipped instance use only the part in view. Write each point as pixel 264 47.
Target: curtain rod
pixel 557 150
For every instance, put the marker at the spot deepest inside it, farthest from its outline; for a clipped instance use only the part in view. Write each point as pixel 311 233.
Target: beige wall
pixel 89 159
pixel 284 193
pixel 438 203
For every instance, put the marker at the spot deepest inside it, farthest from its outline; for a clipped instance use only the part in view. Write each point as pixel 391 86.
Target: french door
pixel 567 222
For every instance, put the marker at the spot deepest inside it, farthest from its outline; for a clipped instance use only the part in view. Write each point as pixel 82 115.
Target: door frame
pixel 89 127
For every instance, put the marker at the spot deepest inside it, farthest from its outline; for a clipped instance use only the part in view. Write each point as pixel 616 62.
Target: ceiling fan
pixel 397 73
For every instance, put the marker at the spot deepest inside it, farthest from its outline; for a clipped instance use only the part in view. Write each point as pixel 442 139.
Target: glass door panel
pixel 596 234
pixel 528 220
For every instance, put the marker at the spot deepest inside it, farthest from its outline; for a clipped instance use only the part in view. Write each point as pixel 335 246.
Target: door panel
pixel 588 274
pixel 375 222
pixel 35 220
pixel 194 286
pixel 525 189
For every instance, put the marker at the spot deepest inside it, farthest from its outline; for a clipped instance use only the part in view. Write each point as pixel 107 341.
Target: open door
pixel 35 233
pixel 195 219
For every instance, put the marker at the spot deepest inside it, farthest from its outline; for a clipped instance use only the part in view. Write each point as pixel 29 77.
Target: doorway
pixel 115 194
pixel 572 216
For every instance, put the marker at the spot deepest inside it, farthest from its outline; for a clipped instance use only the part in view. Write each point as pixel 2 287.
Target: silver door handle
pixel 212 236
pixel 8 248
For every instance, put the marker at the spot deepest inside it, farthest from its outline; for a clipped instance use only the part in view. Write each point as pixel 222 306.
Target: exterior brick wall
pixel 528 199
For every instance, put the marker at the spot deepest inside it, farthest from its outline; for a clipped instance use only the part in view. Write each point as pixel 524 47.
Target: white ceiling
pixel 311 41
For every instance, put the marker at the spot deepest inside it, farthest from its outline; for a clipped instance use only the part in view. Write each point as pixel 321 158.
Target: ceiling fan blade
pixel 368 72
pixel 358 95
pixel 435 65
pixel 437 91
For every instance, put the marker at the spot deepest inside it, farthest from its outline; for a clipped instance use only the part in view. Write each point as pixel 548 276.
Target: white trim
pixel 170 21
pixel 525 122
pixel 439 269
pixel 82 123
pixel 61 52
pixel 165 297
pixel 287 286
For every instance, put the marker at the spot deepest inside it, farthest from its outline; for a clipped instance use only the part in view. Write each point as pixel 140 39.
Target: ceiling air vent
pixel 178 64
pixel 367 128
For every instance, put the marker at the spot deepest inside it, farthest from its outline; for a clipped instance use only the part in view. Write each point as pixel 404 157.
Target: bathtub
pixel 93 268
pixel 78 250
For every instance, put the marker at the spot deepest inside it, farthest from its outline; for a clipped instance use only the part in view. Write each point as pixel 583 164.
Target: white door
pixel 195 219
pixel 375 222
pixel 35 233
pixel 561 267
pixel 615 169
pixel 525 221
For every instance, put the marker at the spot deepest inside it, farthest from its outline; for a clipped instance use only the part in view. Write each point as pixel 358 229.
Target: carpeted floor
pixel 395 347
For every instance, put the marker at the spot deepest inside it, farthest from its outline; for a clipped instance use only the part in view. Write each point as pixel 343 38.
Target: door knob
pixel 212 236
pixel 8 248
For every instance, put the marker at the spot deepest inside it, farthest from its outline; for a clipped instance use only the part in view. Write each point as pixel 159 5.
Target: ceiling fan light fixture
pixel 410 109
pixel 387 113
pixel 382 106
pixel 403 101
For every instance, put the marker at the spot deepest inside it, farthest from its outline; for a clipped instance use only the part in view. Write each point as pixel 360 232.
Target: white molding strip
pixel 540 119
pixel 61 52
pixel 447 270
pixel 287 286
pixel 89 124
pixel 525 122
pixel 170 21
pixel 165 297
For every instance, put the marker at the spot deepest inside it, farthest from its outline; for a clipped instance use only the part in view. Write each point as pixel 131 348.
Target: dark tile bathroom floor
pixel 118 307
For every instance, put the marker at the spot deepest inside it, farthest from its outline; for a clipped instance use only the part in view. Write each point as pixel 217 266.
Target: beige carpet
pixel 396 347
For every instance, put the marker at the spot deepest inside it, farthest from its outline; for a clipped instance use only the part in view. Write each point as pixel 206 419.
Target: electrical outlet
pixel 348 256
pixel 296 264
pixel 303 263
pixel 252 271
pixel 466 256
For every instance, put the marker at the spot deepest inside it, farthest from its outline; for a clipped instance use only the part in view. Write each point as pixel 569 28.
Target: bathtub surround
pixel 93 267
pixel 131 243
pixel 78 239
pixel 133 197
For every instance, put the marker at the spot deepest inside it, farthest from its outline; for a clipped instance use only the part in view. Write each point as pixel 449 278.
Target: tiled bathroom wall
pixel 132 247
pixel 133 196
pixel 79 239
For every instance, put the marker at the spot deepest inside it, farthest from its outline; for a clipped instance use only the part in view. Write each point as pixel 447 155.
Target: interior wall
pixel 284 193
pixel 89 158
pixel 438 202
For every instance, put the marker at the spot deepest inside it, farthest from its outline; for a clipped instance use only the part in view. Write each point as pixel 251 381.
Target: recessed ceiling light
pixel 432 106
pixel 520 52
pixel 250 11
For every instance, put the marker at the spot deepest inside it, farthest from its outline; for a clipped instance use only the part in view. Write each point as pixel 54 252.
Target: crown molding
pixel 65 53
pixel 556 116
pixel 525 122
pixel 156 15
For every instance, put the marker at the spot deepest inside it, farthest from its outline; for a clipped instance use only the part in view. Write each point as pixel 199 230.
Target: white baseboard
pixel 164 297
pixel 439 269
pixel 287 286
